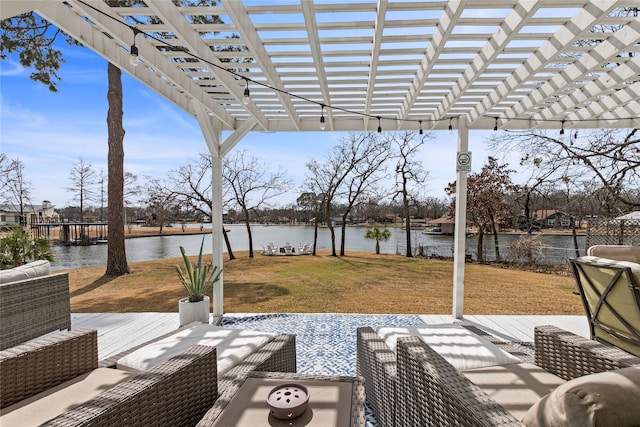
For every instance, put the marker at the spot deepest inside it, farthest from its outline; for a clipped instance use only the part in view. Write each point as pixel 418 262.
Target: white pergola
pixel 365 65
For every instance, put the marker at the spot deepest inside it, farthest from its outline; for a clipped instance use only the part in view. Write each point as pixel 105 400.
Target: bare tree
pixel 486 200
pixel 608 156
pixel 252 186
pixel 325 179
pixel 410 175
pixel 192 187
pixel 83 181
pixel 161 200
pixel 16 190
pixel 366 154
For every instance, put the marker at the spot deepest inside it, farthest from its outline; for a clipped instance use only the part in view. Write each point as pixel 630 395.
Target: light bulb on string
pixel 562 128
pixel 379 125
pixel 495 127
pixel 420 122
pixel 322 124
pixel 247 93
pixel 133 51
pixel 450 125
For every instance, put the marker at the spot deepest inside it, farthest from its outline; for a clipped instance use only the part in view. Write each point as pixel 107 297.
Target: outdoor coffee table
pixel 333 401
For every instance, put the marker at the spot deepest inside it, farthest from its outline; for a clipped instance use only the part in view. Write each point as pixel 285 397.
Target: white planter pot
pixel 193 311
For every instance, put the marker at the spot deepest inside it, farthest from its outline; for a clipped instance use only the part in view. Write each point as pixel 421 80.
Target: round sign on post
pixel 463 163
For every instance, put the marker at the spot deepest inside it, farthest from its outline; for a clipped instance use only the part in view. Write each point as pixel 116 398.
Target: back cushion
pixel 27 271
pixel 620 298
pixel 616 252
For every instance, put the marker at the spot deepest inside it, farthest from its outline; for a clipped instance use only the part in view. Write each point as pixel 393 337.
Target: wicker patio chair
pixel 418 387
pixel 610 294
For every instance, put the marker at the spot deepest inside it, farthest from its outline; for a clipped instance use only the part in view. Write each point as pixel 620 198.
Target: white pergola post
pixel 461 218
pixel 211 129
pixel 216 227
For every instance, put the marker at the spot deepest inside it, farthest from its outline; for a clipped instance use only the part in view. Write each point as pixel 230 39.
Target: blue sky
pixel 49 132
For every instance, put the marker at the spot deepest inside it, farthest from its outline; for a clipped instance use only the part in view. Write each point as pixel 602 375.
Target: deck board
pixel 120 331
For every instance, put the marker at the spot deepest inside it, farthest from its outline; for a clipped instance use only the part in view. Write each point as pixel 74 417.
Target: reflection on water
pixel 559 247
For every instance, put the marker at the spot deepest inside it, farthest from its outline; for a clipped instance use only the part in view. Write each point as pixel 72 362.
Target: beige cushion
pixel 606 399
pixel 232 346
pixel 616 252
pixel 516 386
pixel 459 346
pixel 27 271
pixel 50 403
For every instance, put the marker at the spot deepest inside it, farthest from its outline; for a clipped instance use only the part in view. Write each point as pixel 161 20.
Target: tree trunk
pixel 247 224
pixel 343 237
pixel 331 231
pixel 494 229
pixel 377 247
pixel 407 221
pixel 315 232
pixel 226 241
pixel 116 254
pixel 480 241
pixel 575 239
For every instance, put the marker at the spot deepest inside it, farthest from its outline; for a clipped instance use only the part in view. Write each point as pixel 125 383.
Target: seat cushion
pixel 616 252
pixel 44 406
pixel 232 346
pixel 609 398
pixel 459 346
pixel 515 386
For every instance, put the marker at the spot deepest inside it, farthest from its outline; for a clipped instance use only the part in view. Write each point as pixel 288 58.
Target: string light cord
pixel 282 91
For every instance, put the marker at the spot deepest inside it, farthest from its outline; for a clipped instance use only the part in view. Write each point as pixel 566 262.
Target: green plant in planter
pixel 197 279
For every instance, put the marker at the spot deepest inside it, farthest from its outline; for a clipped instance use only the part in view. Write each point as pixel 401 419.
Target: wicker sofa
pixel 167 394
pixel 177 392
pixel 34 303
pixel 418 387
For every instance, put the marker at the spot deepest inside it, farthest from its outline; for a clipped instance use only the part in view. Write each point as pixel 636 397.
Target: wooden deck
pixel 120 331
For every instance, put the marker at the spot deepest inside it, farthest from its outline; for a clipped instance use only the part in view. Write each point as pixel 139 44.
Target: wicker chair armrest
pixel 277 355
pixel 38 365
pixel 431 392
pixel 177 392
pixel 376 363
pixel 570 356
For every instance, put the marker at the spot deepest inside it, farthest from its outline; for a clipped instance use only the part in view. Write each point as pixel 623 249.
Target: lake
pixel 558 248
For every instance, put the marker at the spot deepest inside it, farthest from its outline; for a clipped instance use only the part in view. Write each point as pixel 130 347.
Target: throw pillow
pixel 609 398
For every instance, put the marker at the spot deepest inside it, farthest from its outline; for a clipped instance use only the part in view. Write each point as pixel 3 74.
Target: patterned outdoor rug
pixel 325 343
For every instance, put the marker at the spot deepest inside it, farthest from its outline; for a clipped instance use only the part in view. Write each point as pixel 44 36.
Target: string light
pixel 322 125
pixel 247 93
pixel 134 61
pixel 133 57
pixel 420 121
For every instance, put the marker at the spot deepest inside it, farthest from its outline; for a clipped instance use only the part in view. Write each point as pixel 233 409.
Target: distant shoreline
pixel 151 231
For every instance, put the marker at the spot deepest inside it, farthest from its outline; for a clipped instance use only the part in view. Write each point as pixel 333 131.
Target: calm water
pixel 558 248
